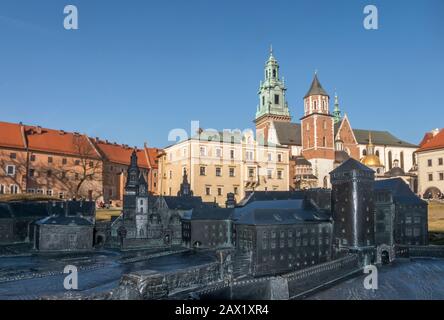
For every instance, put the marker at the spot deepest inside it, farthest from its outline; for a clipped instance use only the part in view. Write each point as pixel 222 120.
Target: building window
pixel 65 161
pixel 250 172
pixel 219 192
pixel 202 171
pixel 219 152
pixel 324 123
pixel 10 170
pixel 49 192
pixel 250 155
pixel 390 159
pixel 50 160
pixel 39 191
pixel 13 155
pixel 13 189
pixel 441 176
pixel 218 171
pixel 231 170
pixel 31 172
pixel 30 191
pixel 2 189
pixel 276 99
pixel 32 158
pixel 263 100
pixel 270 157
pixel 279 174
pixel 269 173
pixel 429 162
pixel 208 191
pixel 49 173
pixel 91 164
pixel 77 162
pixel 171 174
pixel 364 153
pixel 236 190
pixel 440 161
pixel 324 142
pixel 279 157
pixel 315 104
pixel 203 151
pixel 231 154
pixel 430 177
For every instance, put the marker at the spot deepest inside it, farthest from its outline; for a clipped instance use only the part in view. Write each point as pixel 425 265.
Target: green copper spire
pixel 337 112
pixel 272 91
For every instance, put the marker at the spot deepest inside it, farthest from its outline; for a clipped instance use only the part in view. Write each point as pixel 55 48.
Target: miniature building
pixel 58 233
pixel 401 216
pixel 282 239
pixel 149 221
pixel 6 224
pixel 208 228
pixel 353 209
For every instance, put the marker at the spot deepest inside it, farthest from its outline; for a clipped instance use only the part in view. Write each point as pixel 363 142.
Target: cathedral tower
pixel 273 104
pixel 318 132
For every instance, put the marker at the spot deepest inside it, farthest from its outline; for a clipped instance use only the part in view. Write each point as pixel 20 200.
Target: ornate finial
pixel 370 138
pixel 271 49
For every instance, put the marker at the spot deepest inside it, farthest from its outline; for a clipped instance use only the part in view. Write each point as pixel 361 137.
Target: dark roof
pixel 271 195
pixel 301 161
pixel 400 190
pixel 316 88
pixel 272 204
pixel 5 211
pixel 29 209
pixel 281 216
pixel 65 221
pixel 351 165
pixel 183 203
pixel 288 133
pixel 212 214
pixel 380 138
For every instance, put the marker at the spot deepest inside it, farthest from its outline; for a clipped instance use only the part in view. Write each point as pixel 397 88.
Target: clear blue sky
pixel 136 69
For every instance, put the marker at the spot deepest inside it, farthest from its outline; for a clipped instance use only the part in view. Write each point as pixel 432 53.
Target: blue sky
pixel 137 69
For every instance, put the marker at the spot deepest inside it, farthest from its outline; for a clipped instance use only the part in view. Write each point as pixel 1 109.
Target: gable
pixel 345 132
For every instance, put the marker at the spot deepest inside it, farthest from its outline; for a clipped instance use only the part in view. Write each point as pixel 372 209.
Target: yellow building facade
pixel 220 163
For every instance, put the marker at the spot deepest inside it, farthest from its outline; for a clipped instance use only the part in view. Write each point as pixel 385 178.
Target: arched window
pixel 315 103
pixel 390 159
pixel 325 125
pixel 364 153
pixel 324 142
pixel 274 73
pixel 377 153
pixel 402 160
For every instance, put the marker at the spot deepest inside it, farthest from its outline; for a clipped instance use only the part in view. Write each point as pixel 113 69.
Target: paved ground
pixel 98 272
pixel 418 279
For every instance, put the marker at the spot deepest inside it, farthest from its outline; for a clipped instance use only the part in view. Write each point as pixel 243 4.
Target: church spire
pixel 272 91
pixel 336 111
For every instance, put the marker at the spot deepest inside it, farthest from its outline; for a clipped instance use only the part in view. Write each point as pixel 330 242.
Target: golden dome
pixel 371 161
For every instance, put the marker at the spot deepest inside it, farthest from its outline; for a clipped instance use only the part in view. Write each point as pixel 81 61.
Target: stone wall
pixel 149 285
pixel 303 281
pixel 419 251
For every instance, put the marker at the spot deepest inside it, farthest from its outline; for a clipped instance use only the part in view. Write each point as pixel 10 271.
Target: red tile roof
pixel 434 142
pixel 121 154
pixel 11 135
pixel 59 142
pixel 152 157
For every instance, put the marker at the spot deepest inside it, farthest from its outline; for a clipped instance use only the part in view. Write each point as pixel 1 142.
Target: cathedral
pixel 323 139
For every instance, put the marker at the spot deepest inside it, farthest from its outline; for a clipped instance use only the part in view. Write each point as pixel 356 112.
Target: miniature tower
pixel 273 104
pixel 185 187
pixel 135 201
pixel 353 209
